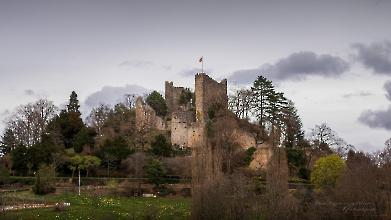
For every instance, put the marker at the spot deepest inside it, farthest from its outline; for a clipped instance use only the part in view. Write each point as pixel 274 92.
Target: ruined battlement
pixel 146 117
pixel 172 96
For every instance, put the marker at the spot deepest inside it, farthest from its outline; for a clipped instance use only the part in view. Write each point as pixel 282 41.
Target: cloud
pixel 112 95
pixel 357 94
pixel 29 92
pixel 192 72
pixel 377 119
pixel 387 87
pixel 375 56
pixel 296 66
pixel 5 112
pixel 136 63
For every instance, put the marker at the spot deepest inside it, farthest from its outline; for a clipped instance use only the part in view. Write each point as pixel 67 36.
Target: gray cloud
pixel 375 56
pixel 192 72
pixel 136 63
pixel 377 119
pixel 5 112
pixel 111 95
pixel 296 66
pixel 387 87
pixel 29 92
pixel 357 94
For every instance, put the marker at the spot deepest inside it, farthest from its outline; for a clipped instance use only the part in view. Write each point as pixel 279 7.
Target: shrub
pixel 157 102
pixel 161 147
pixel 326 171
pixel 249 155
pixel 304 173
pixel 4 175
pixel 44 180
pixel 186 96
pixel 155 172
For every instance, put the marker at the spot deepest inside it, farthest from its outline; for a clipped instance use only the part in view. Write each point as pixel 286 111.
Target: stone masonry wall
pixel 146 117
pixel 180 123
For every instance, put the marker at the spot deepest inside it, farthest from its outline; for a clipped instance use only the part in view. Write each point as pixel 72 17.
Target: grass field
pixel 104 207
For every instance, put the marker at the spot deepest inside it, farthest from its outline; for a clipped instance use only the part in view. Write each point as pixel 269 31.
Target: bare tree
pixel 29 122
pixel 325 139
pixel 130 100
pixel 98 117
pixel 240 103
pixel 135 164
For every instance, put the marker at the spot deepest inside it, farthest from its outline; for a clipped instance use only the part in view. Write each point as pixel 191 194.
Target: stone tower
pixel 172 97
pixel 209 92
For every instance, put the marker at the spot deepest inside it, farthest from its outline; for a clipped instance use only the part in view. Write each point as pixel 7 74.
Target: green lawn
pixel 105 207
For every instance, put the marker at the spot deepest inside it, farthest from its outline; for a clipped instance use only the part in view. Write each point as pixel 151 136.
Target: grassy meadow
pixel 98 207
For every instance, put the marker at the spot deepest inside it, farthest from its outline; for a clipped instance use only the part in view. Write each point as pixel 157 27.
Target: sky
pixel 331 58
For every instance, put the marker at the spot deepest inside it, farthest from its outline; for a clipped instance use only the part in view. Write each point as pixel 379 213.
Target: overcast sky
pixel 332 58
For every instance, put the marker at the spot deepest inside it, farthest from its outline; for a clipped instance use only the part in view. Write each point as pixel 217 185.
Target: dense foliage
pixel 157 102
pixel 327 170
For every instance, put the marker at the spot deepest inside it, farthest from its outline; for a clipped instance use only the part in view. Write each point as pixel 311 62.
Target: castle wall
pixel 180 123
pixel 146 117
pixel 196 135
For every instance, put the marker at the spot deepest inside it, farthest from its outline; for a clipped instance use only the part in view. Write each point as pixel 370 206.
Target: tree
pixel 262 91
pixel 155 172
pixel 98 118
pixel 157 102
pixel 130 100
pixel 29 122
pixel 135 164
pixel 326 140
pixel 240 103
pixel 382 157
pixel 160 146
pixel 41 153
pixel 8 142
pixel 293 133
pixel 87 162
pixel 114 151
pixel 85 137
pixel 68 123
pixel 120 121
pixel 44 180
pixel 20 160
pixel 76 163
pixel 4 174
pixel 326 171
pixel 277 105
pixel 186 96
pixel 73 105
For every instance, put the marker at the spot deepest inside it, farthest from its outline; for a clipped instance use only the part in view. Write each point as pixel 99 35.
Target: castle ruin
pixel 186 122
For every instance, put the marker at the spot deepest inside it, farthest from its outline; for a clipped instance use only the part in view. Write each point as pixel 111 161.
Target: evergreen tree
pixel 157 102
pixel 161 147
pixel 69 122
pixel 73 105
pixel 113 151
pixel 8 142
pixel 85 137
pixel 263 91
pixel 293 126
